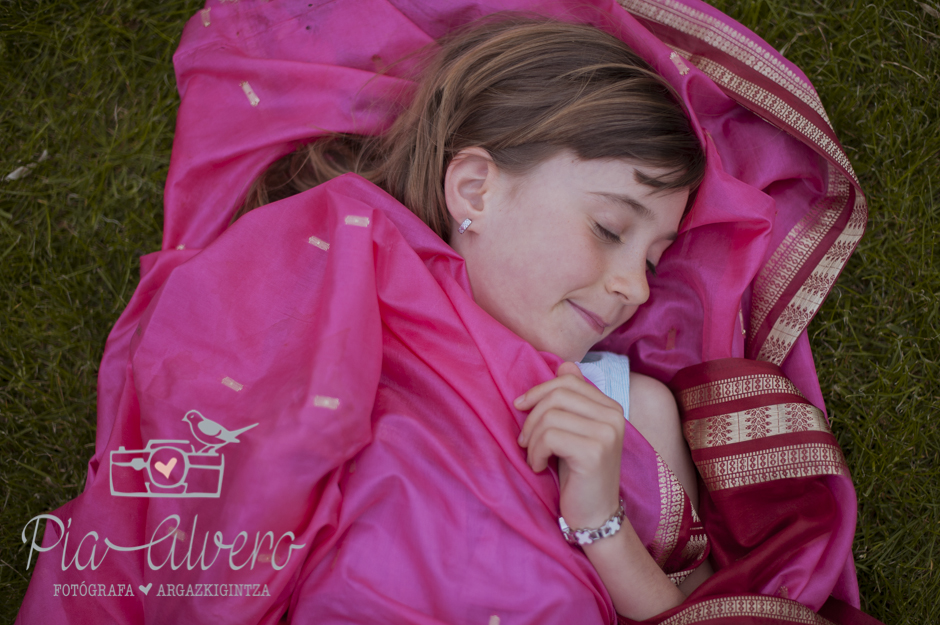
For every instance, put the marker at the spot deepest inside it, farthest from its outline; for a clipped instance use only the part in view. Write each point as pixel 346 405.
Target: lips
pixel 592 320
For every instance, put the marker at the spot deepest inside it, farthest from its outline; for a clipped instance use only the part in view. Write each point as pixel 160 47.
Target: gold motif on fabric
pixel 756 606
pixel 748 425
pixel 671 502
pixel 757 467
pixel 356 220
pixel 232 384
pixel 249 93
pixel 322 401
pixel 678 578
pixel 320 243
pixel 694 549
pixel 733 389
pixel 724 38
pixel 679 62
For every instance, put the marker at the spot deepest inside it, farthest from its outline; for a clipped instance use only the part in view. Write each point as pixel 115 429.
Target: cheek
pixel 557 270
pixel 625 317
pixel 534 262
pixel 528 260
pixel 502 277
pixel 580 261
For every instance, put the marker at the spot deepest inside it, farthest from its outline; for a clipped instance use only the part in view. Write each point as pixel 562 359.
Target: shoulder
pixel 650 396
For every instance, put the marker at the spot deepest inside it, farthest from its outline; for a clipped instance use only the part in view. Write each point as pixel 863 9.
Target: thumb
pixel 569 368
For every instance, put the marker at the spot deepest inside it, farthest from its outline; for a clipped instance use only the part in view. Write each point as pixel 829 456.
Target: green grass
pixel 92 84
pixel 876 341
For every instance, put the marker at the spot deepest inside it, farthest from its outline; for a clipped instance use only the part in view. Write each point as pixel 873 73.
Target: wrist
pixel 586 513
pixel 588 535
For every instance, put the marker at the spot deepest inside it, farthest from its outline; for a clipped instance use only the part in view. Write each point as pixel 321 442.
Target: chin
pixel 574 355
pixel 569 353
pixel 566 350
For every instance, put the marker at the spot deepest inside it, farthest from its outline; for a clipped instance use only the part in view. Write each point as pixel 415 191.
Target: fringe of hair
pixel 522 89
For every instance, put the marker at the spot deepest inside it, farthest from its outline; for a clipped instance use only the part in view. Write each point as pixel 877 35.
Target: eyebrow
pixel 638 207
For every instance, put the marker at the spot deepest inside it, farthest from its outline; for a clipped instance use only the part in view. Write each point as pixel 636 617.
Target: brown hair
pixel 523 90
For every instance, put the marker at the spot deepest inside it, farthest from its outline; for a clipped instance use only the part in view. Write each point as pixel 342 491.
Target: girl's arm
pixel 637 585
pixel 573 420
pixel 655 415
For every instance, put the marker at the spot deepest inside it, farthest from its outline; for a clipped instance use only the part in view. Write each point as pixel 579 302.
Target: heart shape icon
pixel 146 589
pixel 165 469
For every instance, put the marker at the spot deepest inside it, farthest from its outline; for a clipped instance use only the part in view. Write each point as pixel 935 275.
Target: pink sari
pixel 306 417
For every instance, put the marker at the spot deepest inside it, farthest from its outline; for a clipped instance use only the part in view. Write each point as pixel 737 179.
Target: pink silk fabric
pixel 345 329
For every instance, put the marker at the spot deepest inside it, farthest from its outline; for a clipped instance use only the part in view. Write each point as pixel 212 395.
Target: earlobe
pixel 468 178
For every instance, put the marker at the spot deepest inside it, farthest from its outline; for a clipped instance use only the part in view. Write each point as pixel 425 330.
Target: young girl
pixel 558 165
pixel 334 410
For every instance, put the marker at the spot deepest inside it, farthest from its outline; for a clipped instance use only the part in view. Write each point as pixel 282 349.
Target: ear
pixel 469 176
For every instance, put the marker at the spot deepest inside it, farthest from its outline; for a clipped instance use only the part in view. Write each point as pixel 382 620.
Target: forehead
pixel 601 173
pixel 618 183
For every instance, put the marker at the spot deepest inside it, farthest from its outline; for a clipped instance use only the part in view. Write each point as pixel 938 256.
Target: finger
pixel 528 399
pixel 585 453
pixel 607 431
pixel 575 401
pixel 582 412
pixel 564 444
pixel 565 380
pixel 609 438
pixel 569 368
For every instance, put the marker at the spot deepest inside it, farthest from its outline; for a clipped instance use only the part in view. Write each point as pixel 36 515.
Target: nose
pixel 630 284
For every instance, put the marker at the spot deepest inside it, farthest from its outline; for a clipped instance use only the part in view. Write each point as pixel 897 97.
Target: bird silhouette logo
pixel 175 468
pixel 210 433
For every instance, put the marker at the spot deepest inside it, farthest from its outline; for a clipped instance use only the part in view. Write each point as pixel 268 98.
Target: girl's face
pixel 560 255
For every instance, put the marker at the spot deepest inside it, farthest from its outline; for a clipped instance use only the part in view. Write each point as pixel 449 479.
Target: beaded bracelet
pixel 587 536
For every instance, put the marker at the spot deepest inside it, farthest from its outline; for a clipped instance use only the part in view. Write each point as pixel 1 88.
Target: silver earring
pixel 463 226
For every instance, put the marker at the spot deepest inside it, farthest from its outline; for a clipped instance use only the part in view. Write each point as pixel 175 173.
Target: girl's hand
pixel 573 420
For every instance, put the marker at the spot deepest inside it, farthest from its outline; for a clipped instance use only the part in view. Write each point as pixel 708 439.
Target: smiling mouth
pixel 596 323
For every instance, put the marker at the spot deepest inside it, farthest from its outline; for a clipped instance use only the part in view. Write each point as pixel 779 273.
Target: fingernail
pixel 521 439
pixel 518 400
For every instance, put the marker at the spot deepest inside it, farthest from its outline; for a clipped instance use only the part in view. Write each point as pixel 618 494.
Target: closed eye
pixel 606 234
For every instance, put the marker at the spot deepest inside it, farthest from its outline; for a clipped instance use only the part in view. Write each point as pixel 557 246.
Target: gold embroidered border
pixel 804 238
pixel 735 44
pixel 807 300
pixel 728 40
pixel 779 463
pixel 800 243
pixel 757 606
pixel 753 424
pixel 796 247
pixel 733 389
pixel 771 103
pixel 671 502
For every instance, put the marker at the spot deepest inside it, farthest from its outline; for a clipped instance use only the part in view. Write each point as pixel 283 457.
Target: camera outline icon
pixel 173 468
pixel 166 468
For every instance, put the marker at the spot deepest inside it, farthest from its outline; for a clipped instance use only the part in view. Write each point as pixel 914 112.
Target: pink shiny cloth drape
pixel 384 449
